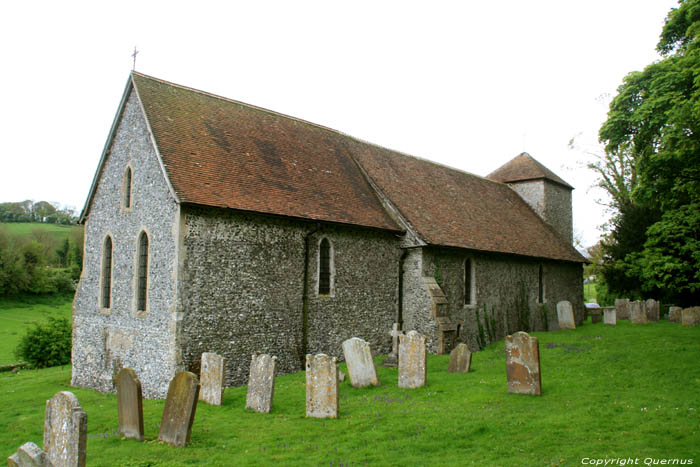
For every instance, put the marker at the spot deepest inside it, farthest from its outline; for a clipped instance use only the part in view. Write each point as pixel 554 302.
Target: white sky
pixel 467 84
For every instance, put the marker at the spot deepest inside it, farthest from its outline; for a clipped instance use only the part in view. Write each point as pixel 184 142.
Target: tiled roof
pixel 523 168
pixel 223 153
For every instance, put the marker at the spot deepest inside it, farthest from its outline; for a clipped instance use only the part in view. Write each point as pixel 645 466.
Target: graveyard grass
pixel 608 392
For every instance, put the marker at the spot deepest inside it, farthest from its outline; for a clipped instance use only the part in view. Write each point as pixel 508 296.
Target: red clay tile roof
pixel 524 167
pixel 218 152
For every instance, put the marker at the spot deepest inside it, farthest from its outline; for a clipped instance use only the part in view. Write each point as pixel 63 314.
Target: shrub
pixel 46 344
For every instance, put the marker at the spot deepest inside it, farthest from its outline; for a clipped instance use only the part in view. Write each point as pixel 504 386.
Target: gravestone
pixel 690 316
pixel 392 360
pixel 596 316
pixel 674 314
pixel 28 455
pixel 565 314
pixel 212 377
pixel 610 316
pixel 523 364
pixel 341 376
pixel 460 359
pixel 261 383
pixel 652 307
pixel 180 407
pixel 65 430
pixel 412 364
pixel 321 386
pixel 638 314
pixel 622 308
pixel 130 404
pixel 360 363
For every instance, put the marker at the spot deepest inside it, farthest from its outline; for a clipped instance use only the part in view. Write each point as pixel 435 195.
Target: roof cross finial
pixel 134 55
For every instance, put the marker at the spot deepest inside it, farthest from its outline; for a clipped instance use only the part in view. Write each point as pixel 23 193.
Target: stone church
pixel 216 226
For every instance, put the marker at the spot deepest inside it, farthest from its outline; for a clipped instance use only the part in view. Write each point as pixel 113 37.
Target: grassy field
pixel 608 392
pixel 16 314
pixel 590 292
pixel 61 232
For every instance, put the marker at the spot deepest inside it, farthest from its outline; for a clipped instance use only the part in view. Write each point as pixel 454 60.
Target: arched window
pixel 540 286
pixel 107 273
pixel 142 279
pixel 127 188
pixel 324 268
pixel 468 273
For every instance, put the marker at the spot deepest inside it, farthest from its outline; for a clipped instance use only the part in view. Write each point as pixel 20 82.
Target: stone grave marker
pixel 523 364
pixel 460 359
pixel 565 314
pixel 412 364
pixel 358 358
pixel 638 314
pixel 212 377
pixel 653 309
pixel 180 407
pixel 596 316
pixel 65 430
pixel 610 316
pixel 622 308
pixel 341 376
pixel 29 455
pixel 130 404
pixel 690 316
pixel 321 386
pixel 392 360
pixel 674 314
pixel 261 383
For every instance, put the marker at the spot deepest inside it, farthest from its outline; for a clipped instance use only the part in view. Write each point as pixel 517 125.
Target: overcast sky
pixel 467 84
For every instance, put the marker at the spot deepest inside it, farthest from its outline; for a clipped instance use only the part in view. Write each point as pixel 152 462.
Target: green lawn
pixel 17 314
pixel 61 232
pixel 590 292
pixel 608 392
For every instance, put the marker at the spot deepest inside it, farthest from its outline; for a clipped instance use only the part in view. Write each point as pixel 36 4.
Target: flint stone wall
pixel 106 340
pixel 551 201
pixel 243 285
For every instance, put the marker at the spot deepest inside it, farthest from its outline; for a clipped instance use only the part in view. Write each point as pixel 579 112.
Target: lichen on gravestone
pixel 180 408
pixel 261 383
pixel 523 364
pixel 130 404
pixel 565 315
pixel 65 431
pixel 321 386
pixel 412 360
pixel 358 358
pixel 460 359
pixel 212 377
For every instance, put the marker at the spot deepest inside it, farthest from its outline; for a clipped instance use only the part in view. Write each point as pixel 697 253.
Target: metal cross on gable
pixel 134 55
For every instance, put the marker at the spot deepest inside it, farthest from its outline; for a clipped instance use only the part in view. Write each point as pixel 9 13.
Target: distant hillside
pixel 60 232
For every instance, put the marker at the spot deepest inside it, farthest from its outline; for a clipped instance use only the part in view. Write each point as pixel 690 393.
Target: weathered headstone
pixel 596 316
pixel 565 314
pixel 674 314
pixel 29 455
pixel 341 376
pixel 610 316
pixel 212 377
pixel 261 383
pixel 622 308
pixel 130 404
pixel 65 430
pixel 392 360
pixel 321 386
pixel 412 363
pixel 652 307
pixel 180 407
pixel 523 364
pixel 460 359
pixel 638 314
pixel 690 316
pixel 360 363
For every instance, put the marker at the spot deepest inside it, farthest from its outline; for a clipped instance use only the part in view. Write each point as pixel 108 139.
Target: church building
pixel 216 226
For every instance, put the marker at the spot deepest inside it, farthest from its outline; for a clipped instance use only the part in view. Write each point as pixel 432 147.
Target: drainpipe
pixel 305 298
pixel 399 318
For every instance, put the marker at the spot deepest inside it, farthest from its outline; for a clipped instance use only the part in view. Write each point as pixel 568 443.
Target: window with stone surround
pixel 127 188
pixel 325 267
pixel 142 273
pixel 540 284
pixel 468 282
pixel 106 289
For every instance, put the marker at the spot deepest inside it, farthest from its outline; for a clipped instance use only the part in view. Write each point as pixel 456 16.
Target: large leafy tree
pixel 654 125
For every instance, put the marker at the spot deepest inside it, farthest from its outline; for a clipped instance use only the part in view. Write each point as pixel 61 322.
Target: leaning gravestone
pixel 212 377
pixel 412 364
pixel 652 307
pixel 28 455
pixel 622 308
pixel 690 316
pixel 321 386
pixel 180 407
pixel 638 314
pixel 261 383
pixel 523 364
pixel 130 404
pixel 65 431
pixel 460 359
pixel 674 314
pixel 565 314
pixel 610 316
pixel 360 363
